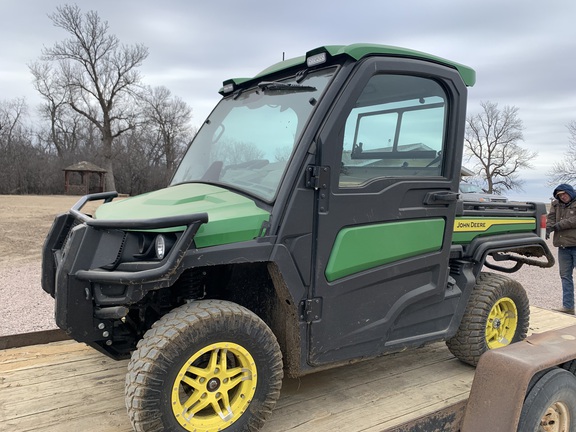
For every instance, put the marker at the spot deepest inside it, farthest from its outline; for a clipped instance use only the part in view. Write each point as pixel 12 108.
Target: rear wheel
pixel 497 314
pixel 551 404
pixel 206 366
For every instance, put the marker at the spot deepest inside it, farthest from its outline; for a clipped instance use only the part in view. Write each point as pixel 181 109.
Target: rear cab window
pixel 396 129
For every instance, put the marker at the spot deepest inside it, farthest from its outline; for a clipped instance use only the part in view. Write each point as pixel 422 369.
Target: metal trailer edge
pixel 515 365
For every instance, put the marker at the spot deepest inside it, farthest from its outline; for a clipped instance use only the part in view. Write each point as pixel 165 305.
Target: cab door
pixel 389 167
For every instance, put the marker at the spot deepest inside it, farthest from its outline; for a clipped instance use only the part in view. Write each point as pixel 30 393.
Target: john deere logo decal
pixel 461 225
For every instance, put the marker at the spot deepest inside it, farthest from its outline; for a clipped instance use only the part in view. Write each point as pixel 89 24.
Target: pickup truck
pixel 314 221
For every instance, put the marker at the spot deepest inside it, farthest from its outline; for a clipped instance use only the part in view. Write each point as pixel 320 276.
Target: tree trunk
pixel 110 183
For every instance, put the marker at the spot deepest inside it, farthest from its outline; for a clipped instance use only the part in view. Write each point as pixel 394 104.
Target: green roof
pixel 358 51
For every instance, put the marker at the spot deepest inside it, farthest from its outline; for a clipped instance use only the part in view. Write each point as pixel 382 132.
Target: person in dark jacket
pixel 561 220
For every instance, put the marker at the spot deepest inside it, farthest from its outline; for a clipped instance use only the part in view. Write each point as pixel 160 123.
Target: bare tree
pixel 565 171
pixel 492 143
pixel 24 164
pixel 169 116
pixel 12 114
pixel 143 167
pixel 94 74
pixel 63 121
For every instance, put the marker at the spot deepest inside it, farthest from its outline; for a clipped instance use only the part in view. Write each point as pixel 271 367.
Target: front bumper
pixel 90 290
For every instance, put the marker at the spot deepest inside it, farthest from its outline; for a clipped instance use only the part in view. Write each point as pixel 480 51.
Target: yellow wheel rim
pixel 214 387
pixel 502 323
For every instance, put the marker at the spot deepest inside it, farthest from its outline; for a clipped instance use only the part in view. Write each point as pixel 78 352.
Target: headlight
pixel 160 246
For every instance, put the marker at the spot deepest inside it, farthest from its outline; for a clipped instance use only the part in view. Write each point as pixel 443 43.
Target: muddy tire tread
pixel 165 341
pixel 469 342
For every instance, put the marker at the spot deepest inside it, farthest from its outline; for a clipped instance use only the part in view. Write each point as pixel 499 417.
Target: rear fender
pixel 525 248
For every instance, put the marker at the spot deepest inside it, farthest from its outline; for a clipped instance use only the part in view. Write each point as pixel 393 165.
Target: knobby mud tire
pixel 496 301
pixel 188 339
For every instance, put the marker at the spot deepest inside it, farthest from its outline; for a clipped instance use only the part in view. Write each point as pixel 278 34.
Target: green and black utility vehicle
pixel 313 221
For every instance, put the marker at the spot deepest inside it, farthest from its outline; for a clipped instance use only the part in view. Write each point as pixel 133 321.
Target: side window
pixel 396 129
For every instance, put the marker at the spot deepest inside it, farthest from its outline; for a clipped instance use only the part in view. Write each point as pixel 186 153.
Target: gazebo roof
pixel 86 167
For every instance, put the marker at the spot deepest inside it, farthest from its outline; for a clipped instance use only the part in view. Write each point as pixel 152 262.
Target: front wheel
pixel 550 404
pixel 206 366
pixel 497 314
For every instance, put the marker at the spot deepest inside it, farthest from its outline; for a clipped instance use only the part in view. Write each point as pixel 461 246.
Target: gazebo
pixel 86 185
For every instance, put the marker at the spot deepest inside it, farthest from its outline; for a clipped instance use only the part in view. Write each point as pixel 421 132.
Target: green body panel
pixel 368 246
pixel 467 229
pixel 231 217
pixel 358 51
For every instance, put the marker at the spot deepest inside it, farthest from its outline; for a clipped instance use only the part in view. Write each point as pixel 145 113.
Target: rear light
pixel 543 226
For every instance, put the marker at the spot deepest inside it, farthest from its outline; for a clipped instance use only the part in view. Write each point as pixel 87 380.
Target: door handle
pixel 440 197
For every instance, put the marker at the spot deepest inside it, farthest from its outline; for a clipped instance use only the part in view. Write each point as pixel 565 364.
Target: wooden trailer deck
pixel 66 386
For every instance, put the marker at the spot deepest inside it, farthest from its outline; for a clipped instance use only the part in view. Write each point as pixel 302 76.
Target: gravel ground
pixel 542 284
pixel 25 307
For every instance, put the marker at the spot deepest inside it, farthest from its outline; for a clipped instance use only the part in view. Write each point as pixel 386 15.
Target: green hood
pixel 231 217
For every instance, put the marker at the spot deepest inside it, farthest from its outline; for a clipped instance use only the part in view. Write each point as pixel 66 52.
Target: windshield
pixel 248 139
pixel 470 188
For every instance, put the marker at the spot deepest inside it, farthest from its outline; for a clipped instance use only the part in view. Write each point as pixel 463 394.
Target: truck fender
pixel 503 375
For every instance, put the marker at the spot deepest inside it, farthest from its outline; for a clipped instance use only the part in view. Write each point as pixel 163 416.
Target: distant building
pixel 83 178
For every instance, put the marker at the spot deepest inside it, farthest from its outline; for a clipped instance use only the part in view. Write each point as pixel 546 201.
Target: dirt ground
pixel 24 224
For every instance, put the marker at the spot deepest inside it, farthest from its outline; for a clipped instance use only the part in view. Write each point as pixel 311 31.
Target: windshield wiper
pixel 274 86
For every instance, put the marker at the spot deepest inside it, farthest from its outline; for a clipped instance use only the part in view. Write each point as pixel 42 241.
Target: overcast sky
pixel 523 51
